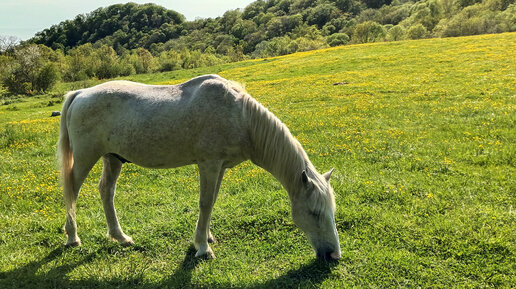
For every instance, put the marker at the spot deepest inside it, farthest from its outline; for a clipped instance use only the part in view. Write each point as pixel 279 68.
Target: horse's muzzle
pixel 327 254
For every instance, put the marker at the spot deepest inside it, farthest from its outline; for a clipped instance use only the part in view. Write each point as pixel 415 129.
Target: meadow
pixel 422 138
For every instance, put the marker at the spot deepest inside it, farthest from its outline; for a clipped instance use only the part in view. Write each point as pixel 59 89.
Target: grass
pixel 421 134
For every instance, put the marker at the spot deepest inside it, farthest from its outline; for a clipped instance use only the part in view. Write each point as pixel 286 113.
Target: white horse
pixel 208 121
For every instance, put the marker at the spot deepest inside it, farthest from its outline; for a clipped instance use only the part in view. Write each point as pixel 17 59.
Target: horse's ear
pixel 328 174
pixel 304 177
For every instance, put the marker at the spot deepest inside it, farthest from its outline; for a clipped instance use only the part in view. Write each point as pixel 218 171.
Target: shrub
pixel 337 39
pixel 3 91
pixel 507 19
pixel 368 32
pixel 169 61
pixel 30 70
pixel 274 47
pixel 109 66
pixel 14 85
pixel 306 44
pixel 396 33
pixel 417 31
pixel 475 20
pixel 48 76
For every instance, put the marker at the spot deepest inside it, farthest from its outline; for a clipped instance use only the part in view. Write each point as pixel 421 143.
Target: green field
pixel 421 134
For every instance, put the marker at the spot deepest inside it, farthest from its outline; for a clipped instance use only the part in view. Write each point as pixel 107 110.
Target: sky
pixel 24 18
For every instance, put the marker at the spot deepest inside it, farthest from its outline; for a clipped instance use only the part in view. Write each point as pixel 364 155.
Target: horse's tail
pixel 64 151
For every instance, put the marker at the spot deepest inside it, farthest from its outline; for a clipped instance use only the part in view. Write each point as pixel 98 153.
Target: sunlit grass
pixel 421 134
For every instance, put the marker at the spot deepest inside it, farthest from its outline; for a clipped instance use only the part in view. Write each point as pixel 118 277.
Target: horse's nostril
pixel 324 254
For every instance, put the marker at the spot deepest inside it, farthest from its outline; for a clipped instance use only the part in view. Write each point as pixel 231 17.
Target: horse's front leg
pixel 211 173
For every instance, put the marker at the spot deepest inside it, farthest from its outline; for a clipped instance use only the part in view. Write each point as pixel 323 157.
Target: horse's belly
pixel 178 152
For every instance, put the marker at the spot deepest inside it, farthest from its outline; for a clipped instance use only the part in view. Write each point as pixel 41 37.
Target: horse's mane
pixel 273 146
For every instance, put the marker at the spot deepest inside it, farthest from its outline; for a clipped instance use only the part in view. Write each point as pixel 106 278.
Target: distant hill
pixel 129 25
pixel 275 27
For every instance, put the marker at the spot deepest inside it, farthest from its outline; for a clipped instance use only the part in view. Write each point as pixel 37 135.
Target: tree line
pixel 125 39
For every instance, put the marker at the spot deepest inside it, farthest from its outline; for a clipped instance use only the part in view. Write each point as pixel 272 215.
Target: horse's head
pixel 313 211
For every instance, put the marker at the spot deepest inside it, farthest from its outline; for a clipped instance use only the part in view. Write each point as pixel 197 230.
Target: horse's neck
pixel 286 168
pixel 275 150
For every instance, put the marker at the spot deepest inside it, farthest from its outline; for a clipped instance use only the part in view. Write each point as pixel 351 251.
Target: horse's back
pixel 162 126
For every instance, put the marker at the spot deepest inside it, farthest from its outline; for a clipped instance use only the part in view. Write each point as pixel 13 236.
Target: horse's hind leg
pixel 211 174
pixel 80 171
pixel 107 186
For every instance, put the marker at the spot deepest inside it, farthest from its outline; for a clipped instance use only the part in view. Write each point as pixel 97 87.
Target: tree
pixel 241 28
pixel 344 5
pixel 254 9
pixel 376 3
pixel 299 6
pixel 8 43
pixel 229 19
pixel 322 14
pixel 148 20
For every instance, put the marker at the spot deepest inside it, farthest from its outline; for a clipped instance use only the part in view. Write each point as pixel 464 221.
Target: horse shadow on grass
pixel 313 273
pixel 29 275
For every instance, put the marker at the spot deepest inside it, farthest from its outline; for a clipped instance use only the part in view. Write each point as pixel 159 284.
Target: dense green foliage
pixel 126 39
pixel 421 135
pixel 30 70
pixel 128 25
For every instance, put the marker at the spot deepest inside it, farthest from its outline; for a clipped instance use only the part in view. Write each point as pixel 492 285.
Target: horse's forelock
pixel 321 198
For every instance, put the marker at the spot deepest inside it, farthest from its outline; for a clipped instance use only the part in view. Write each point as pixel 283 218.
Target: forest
pixel 125 39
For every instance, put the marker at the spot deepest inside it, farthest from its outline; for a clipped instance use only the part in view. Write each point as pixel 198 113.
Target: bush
pixel 31 69
pixel 337 39
pixel 191 59
pixel 396 33
pixel 507 19
pixel 274 47
pixel 3 91
pixel 14 85
pixel 169 61
pixel 306 44
pixel 368 32
pixel 47 78
pixel 417 31
pixel 476 19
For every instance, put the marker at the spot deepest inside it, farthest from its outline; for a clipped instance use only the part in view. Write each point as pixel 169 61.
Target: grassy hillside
pixel 421 134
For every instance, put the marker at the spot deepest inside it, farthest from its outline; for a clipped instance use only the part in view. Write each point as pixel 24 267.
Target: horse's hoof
pixel 207 255
pixel 121 238
pixel 127 243
pixel 73 244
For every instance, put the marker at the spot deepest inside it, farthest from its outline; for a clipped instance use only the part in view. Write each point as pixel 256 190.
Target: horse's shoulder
pixel 210 85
